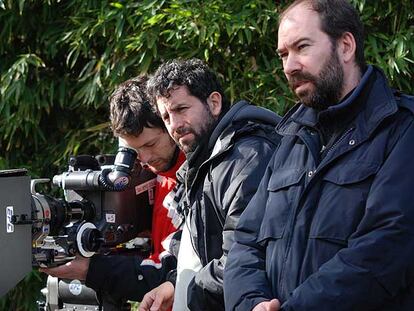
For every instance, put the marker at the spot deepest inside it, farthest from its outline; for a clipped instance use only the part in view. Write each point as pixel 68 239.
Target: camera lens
pixel 91 240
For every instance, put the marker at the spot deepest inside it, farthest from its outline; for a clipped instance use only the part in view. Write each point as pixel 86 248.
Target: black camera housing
pixel 107 201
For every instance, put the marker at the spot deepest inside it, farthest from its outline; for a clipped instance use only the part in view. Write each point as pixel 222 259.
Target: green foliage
pixel 24 296
pixel 59 60
pixel 389 27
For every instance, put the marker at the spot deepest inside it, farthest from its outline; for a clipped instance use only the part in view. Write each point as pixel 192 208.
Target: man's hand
pixel 160 298
pixel 272 305
pixel 77 269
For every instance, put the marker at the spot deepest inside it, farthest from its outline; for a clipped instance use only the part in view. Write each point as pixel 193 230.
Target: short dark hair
pixel 337 17
pixel 193 73
pixel 130 109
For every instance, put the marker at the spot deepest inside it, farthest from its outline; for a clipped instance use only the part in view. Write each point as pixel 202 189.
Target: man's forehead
pixel 148 134
pixel 176 96
pixel 299 11
pixel 298 23
pixel 162 102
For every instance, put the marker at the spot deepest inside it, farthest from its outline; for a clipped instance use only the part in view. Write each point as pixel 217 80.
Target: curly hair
pixel 130 109
pixel 193 73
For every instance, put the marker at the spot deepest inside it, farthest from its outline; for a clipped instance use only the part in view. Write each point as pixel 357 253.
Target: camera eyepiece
pixel 118 177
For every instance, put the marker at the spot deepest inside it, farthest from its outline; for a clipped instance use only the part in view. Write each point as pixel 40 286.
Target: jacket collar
pixel 240 118
pixel 380 104
pixel 237 120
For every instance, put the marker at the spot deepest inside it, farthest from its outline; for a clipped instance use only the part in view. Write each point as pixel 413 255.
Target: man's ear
pixel 347 47
pixel 214 103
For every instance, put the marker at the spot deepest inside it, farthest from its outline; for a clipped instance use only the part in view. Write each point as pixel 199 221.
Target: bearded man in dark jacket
pixel 227 152
pixel 331 226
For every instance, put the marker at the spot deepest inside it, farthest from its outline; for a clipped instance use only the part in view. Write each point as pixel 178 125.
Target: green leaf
pixel 248 35
pixel 156 19
pixel 117 5
pixel 399 52
pixel 21 6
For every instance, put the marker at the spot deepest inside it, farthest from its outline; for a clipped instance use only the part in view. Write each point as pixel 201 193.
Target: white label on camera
pixel 9 214
pixel 110 218
pixel 75 287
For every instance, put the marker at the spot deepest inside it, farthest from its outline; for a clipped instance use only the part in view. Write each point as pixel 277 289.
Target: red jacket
pixel 162 226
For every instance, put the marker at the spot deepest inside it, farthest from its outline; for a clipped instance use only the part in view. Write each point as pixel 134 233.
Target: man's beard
pixel 167 160
pixel 201 135
pixel 328 84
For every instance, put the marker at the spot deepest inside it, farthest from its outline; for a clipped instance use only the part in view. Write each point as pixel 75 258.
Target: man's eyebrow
pixel 294 43
pixel 174 106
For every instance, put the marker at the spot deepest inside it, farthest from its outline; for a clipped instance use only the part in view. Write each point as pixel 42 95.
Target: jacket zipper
pixel 297 207
pixel 337 142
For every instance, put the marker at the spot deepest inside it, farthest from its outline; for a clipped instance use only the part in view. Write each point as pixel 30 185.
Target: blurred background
pixel 61 59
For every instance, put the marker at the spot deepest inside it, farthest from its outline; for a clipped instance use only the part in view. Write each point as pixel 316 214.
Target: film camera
pixel 107 202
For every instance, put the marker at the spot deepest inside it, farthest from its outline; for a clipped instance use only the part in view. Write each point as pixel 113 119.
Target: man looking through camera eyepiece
pixel 137 126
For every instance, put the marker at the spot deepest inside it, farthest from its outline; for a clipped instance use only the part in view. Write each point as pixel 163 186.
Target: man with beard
pixel 331 225
pixel 138 126
pixel 227 150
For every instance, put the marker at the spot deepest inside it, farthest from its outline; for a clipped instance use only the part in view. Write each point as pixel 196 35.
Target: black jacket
pixel 332 228
pixel 123 277
pixel 239 150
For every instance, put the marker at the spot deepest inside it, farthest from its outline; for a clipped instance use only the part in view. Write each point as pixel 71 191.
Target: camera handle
pixel 25 219
pixel 69 295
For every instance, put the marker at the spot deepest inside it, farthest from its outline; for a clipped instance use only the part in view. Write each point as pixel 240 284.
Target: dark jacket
pixel 239 148
pixel 332 228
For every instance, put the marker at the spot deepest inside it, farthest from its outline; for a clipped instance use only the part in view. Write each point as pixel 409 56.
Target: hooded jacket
pixel 332 224
pixel 238 151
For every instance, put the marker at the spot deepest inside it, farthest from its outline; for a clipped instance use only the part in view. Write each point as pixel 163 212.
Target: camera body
pixel 107 201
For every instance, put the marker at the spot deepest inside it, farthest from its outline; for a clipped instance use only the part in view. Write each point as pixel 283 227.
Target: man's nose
pixel 291 65
pixel 176 123
pixel 144 156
